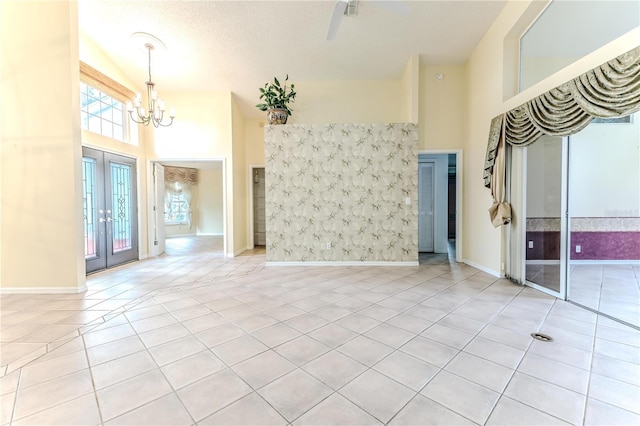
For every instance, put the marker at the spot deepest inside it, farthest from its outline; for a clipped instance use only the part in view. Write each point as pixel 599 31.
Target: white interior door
pixel 158 246
pixel 425 206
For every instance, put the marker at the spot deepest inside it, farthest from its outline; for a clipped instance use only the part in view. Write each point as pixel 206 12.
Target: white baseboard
pixel 237 252
pixel 345 263
pixel 482 268
pixel 43 290
pixel 209 234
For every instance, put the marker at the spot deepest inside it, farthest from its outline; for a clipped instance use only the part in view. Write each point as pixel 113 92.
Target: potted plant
pixel 276 98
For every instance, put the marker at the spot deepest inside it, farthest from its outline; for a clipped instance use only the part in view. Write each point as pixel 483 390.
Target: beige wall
pixel 443 113
pixel 487 74
pixel 240 172
pixel 409 83
pixel 254 140
pixel 41 205
pixel 210 202
pixel 372 101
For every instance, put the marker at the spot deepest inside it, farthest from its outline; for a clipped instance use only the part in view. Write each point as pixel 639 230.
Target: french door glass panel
pixel 121 186
pixel 90 213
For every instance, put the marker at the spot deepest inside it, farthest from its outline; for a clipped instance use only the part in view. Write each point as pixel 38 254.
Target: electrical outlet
pixel 530 244
pixel 578 249
pixel 407 200
pixel 327 246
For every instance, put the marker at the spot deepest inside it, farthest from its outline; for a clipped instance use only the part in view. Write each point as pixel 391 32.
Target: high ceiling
pixel 238 45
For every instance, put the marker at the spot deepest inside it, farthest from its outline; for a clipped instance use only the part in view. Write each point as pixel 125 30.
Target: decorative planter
pixel 277 116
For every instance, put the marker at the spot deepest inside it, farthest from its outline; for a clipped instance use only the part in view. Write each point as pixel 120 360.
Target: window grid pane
pixel 101 113
pixel 177 209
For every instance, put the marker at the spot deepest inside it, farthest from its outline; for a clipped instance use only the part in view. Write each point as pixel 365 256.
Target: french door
pixel 110 209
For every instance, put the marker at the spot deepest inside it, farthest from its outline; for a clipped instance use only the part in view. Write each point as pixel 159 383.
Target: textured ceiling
pixel 238 45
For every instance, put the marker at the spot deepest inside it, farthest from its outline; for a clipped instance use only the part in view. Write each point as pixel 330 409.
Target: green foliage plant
pixel 275 95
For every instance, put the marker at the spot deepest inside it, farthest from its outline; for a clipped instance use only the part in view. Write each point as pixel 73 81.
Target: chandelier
pixel 154 112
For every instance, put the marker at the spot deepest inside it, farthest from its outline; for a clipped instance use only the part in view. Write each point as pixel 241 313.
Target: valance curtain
pixel 182 175
pixel 610 90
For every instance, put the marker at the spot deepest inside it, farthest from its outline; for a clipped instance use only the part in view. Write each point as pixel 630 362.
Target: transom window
pixel 101 113
pixel 568 30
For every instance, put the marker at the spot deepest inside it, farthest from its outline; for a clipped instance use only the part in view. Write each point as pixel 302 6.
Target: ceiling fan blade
pixel 336 18
pixel 398 7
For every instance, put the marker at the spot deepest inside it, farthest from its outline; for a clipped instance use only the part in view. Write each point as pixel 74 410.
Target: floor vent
pixel 542 337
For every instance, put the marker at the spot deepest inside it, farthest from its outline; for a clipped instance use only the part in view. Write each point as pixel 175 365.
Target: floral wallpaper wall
pixel 338 192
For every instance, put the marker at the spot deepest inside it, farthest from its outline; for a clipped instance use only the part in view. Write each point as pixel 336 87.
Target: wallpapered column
pixel 342 184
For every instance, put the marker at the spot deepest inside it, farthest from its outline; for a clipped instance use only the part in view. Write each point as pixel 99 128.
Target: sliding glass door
pixel 546 219
pixel 604 199
pixel 581 233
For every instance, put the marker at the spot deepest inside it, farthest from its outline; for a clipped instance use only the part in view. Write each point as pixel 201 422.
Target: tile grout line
pixel 93 383
pixel 586 399
pixel 15 400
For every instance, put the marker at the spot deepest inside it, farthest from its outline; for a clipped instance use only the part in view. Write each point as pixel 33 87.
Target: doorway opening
pixel 439 206
pixel 187 213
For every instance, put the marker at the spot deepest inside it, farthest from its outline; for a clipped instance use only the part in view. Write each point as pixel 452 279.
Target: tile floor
pixel 612 289
pixel 194 338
